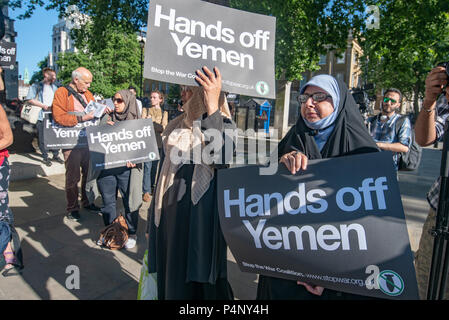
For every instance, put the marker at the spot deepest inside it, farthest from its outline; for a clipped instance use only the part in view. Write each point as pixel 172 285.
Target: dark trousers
pixel 109 182
pixel 75 160
pixel 40 134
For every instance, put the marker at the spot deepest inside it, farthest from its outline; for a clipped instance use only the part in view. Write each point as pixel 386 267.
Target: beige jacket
pixel 160 121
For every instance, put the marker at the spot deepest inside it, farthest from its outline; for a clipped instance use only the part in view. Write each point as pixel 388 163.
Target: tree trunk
pixel 416 100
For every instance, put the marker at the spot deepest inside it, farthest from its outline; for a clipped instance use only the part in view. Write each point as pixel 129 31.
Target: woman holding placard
pixel 121 178
pixel 186 245
pixel 329 125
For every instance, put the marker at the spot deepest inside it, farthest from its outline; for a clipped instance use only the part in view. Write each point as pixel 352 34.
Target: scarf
pixel 348 136
pixel 324 127
pixel 181 135
pixel 131 111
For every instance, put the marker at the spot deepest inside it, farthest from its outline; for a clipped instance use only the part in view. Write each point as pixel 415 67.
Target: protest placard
pixel 112 146
pixel 59 137
pixel 339 224
pixel 184 36
pixel 8 54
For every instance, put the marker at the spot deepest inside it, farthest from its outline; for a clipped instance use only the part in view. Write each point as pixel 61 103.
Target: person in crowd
pixel 383 126
pixel 186 245
pixel 123 178
pixel 160 120
pixel 68 110
pixel 9 249
pixel 23 140
pixel 139 103
pixel 176 112
pixel 41 95
pixel 329 125
pixel 430 127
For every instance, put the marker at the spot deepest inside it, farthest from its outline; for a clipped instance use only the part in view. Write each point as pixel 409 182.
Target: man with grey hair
pixel 68 110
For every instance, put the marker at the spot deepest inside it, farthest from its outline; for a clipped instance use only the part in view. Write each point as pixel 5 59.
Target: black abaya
pixel 349 136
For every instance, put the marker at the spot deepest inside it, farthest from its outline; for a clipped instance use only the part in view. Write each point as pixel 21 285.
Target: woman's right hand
pixel 294 161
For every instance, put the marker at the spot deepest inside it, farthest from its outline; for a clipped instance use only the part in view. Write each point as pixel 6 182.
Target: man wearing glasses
pixel 391 131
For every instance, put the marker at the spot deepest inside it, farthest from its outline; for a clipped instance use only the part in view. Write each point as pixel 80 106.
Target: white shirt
pixel 47 95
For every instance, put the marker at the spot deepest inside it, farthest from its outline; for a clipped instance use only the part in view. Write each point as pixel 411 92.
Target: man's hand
pixel 316 290
pixel 294 161
pixel 130 165
pixel 436 81
pixel 88 116
pixel 212 86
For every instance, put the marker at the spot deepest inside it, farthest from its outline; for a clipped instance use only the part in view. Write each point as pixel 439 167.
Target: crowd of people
pixel 188 249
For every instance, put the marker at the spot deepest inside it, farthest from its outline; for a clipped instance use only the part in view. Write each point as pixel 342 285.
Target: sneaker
pixel 146 197
pixel 74 215
pixel 92 207
pixel 58 160
pixel 47 162
pixel 131 243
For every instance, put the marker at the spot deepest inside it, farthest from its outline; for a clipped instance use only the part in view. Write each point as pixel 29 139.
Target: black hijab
pixel 350 135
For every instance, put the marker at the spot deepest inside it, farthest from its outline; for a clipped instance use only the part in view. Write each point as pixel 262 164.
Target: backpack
pixel 115 235
pixel 408 161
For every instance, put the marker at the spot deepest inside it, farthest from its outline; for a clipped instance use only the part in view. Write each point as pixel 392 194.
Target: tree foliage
pixel 305 29
pixel 411 38
pixel 38 76
pixel 114 68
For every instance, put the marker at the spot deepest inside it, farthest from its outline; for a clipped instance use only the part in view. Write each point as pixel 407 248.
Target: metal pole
pixel 438 272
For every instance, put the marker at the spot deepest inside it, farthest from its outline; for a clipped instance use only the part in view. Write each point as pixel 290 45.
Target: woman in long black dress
pixel 329 125
pixel 186 245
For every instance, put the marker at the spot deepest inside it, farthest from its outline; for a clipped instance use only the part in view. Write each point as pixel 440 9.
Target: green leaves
pixel 304 30
pixel 412 37
pixel 113 68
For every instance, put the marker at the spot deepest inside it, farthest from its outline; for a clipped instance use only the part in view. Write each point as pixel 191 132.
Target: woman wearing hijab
pixel 121 178
pixel 186 245
pixel 329 125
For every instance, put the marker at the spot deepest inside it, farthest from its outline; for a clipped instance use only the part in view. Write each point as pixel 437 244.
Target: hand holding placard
pixel 212 87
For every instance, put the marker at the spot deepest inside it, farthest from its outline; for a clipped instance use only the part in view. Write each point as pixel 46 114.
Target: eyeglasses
pixel 118 100
pixel 316 97
pixel 389 99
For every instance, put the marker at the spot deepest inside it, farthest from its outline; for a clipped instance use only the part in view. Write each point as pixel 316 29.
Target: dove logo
pixel 390 283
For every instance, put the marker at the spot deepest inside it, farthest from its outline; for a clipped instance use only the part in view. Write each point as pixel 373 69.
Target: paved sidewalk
pixel 51 243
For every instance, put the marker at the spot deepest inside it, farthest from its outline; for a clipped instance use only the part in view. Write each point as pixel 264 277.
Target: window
pixel 341 58
pixel 355 80
pixel 341 76
pixel 322 60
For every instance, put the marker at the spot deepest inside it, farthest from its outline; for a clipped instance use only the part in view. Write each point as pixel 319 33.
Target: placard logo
pixel 390 283
pixel 262 88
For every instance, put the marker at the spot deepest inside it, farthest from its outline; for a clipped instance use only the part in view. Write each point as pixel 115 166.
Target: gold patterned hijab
pixel 181 135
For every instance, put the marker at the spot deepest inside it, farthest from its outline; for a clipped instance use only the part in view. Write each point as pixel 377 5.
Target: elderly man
pixel 68 110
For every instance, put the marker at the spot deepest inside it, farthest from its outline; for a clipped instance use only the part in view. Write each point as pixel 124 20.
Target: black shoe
pixel 74 215
pixel 47 162
pixel 92 207
pixel 58 160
